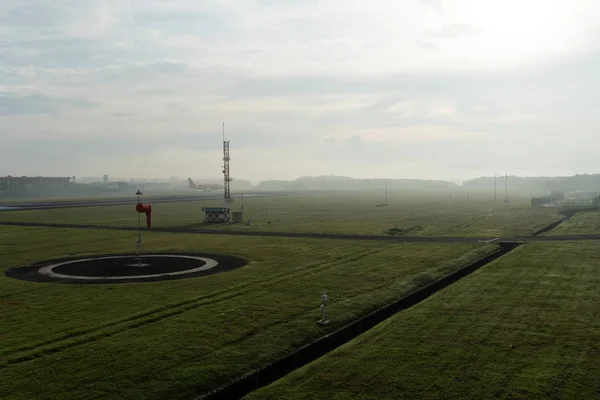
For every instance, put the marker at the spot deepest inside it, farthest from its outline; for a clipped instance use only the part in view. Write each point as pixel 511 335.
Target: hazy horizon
pixel 217 179
pixel 425 89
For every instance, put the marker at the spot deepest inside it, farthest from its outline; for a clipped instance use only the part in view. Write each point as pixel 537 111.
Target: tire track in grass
pixel 61 343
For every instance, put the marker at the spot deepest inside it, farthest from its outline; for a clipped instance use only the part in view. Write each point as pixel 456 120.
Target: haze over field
pixel 432 89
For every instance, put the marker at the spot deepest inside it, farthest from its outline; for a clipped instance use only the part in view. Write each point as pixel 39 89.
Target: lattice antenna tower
pixel 226 178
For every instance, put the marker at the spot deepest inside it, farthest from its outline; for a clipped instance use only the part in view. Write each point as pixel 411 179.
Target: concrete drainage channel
pixel 328 343
pixel 550 227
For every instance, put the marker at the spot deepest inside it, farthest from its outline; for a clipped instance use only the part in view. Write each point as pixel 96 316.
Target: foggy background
pixel 446 90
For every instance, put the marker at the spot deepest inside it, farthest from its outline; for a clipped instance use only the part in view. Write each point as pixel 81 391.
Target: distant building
pixel 33 182
pixel 120 186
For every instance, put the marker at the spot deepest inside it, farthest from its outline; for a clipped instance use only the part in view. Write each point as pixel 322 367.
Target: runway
pixel 49 204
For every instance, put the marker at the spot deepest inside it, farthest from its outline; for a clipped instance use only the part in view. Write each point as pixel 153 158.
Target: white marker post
pixel 323 320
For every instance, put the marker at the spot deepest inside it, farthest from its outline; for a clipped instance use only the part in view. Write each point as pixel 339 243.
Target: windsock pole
pixel 139 241
pixel 147 209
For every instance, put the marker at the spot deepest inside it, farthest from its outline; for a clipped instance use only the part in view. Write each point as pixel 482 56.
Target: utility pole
pixel 495 188
pixel 506 189
pixel 386 201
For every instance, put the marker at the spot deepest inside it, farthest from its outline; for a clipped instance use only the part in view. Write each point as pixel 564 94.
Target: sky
pixel 431 89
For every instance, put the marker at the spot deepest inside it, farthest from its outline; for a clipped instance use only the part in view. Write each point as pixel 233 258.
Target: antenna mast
pixel 226 177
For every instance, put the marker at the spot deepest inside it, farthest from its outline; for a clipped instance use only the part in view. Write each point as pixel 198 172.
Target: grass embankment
pixel 408 214
pixel 525 326
pixel 177 339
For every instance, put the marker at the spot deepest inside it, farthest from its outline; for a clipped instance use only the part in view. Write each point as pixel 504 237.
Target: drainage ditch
pixel 550 227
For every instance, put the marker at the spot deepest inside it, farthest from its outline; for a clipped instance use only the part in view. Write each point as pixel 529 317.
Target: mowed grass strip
pixel 526 326
pixel 409 214
pixel 182 338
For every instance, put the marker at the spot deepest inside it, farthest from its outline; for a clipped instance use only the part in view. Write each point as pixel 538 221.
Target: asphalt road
pixel 407 239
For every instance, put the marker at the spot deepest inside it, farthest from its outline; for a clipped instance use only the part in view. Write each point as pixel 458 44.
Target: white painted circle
pixel 48 270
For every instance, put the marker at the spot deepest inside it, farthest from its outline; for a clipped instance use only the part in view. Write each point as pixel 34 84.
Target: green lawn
pixel 177 339
pixel 410 213
pixel 526 326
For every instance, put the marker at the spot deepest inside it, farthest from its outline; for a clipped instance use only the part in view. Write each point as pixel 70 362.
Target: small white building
pixel 216 214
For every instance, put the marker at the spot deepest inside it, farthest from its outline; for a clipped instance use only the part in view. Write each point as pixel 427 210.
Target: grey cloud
pixel 454 31
pixel 182 76
pixel 54 52
pixel 435 5
pixel 193 22
pixel 284 3
pixel 429 45
pixel 354 142
pixel 38 13
pixel 13 103
pixel 126 65
pixel 180 108
pixel 126 144
pixel 81 53
pixel 549 78
pixel 555 90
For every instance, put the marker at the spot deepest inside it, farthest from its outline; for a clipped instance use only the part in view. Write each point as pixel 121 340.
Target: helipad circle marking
pixel 48 270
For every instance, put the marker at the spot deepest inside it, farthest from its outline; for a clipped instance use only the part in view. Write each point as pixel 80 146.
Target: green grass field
pixel 409 214
pixel 526 326
pixel 178 339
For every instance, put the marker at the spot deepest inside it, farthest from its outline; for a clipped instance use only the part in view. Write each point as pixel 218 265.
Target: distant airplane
pixel 209 188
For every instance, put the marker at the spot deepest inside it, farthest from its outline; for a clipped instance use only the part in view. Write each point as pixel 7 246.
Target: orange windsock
pixel 145 208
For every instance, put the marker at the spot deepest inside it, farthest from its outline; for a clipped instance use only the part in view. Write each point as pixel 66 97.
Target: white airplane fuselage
pixel 206 188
